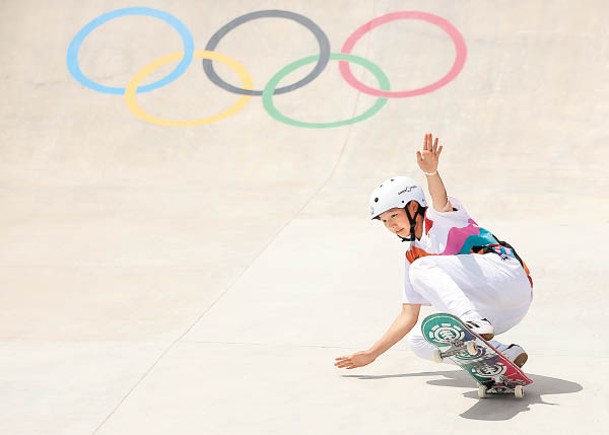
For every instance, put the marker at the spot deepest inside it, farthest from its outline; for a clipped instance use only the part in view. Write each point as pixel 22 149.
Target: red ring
pixel 455 35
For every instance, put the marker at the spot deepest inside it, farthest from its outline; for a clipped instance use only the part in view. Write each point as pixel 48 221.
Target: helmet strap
pixel 413 222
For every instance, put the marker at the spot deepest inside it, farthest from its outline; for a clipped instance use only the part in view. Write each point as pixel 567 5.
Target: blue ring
pixel 73 49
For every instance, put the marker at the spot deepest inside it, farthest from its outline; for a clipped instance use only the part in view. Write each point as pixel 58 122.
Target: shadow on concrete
pixel 494 408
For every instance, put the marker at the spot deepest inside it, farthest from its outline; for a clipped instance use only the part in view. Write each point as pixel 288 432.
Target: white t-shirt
pixel 446 233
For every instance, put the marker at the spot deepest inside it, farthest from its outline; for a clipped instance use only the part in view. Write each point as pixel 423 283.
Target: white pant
pixel 471 285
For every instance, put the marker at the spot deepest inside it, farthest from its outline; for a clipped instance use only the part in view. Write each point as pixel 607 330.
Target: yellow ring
pixel 130 91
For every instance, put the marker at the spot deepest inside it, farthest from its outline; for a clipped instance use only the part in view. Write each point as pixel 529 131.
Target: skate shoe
pixel 516 354
pixel 482 327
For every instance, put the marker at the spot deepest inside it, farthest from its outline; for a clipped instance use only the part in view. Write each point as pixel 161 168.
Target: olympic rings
pixel 246 81
pixel 454 34
pixel 270 89
pixel 74 48
pixel 322 40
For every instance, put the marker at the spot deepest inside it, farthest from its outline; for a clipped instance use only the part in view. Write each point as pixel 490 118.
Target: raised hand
pixel 429 157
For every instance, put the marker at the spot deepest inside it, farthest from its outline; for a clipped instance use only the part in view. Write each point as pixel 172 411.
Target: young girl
pixel 451 263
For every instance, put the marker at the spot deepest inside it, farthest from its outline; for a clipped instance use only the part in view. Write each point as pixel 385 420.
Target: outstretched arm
pixel 428 159
pixel 401 326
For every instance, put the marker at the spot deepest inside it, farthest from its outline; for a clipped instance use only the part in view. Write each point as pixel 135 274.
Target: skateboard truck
pixel 494 387
pixel 460 348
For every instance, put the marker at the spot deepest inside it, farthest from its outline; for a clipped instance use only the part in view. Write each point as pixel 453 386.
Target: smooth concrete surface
pixel 202 279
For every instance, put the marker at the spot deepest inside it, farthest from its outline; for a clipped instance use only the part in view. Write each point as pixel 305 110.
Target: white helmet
pixel 395 192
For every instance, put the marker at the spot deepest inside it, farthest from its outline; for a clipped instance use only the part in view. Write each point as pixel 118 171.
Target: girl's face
pixel 396 221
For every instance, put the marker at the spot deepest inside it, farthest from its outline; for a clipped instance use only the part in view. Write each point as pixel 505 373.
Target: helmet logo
pixel 408 189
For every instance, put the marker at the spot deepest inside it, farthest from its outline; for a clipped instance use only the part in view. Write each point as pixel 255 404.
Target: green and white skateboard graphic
pixel 493 371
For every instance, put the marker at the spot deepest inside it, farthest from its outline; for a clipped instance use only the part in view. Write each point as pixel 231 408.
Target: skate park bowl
pixel 186 246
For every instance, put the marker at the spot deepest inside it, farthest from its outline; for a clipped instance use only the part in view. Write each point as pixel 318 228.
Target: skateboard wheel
pixel 519 391
pixel 437 356
pixel 482 392
pixel 472 349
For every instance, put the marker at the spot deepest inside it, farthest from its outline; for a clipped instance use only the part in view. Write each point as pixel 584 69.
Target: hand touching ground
pixel 356 360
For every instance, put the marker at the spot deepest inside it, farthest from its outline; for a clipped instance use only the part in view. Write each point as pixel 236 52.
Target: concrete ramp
pixel 185 243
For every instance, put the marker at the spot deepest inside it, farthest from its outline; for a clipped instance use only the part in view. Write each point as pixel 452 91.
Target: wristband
pixel 430 173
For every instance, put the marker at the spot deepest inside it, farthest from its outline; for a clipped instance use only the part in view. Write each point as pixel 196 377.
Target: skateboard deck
pixel 493 371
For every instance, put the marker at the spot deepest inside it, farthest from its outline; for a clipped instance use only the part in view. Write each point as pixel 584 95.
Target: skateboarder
pixel 451 263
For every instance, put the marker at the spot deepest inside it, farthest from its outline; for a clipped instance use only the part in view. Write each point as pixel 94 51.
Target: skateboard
pixel 493 371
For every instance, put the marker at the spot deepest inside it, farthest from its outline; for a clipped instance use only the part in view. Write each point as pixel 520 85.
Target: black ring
pixel 322 39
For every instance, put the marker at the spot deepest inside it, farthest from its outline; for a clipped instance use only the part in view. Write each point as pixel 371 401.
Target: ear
pixel 413 206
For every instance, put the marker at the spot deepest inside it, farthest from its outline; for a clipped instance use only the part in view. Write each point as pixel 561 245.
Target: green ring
pixel 269 89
